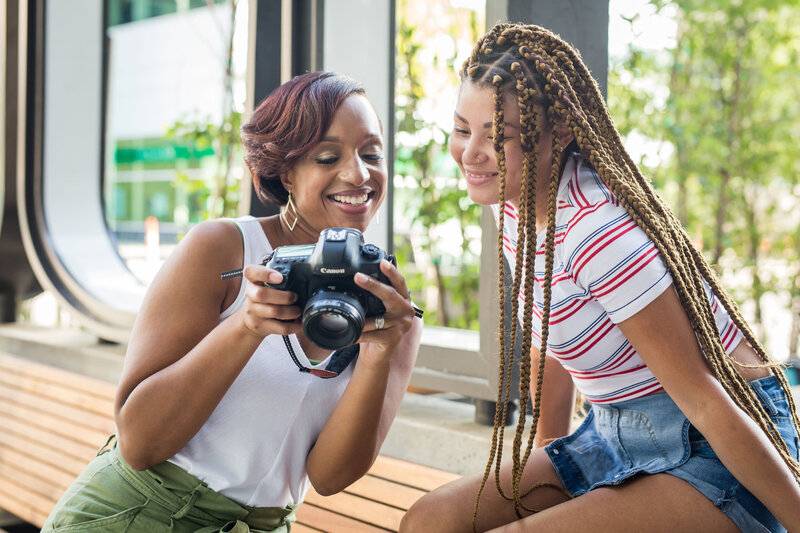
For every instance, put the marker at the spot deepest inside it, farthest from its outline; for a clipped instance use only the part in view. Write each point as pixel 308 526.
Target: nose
pixel 474 152
pixel 356 173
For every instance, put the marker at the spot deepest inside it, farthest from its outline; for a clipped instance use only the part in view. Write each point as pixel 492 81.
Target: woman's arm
pixel 180 360
pixel 353 435
pixel 662 335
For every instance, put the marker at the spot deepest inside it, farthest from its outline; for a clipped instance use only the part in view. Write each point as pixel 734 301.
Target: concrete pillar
pixel 582 23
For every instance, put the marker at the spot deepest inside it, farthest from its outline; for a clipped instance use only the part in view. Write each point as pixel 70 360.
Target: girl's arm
pixel 662 335
pixel 181 360
pixel 353 435
pixel 558 401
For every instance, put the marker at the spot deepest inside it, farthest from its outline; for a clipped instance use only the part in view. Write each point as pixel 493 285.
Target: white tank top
pixel 253 447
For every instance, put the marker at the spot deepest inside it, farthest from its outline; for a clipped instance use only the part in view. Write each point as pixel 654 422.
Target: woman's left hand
pixel 399 313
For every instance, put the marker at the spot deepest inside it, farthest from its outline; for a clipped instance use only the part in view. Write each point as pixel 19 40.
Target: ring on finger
pixel 379 321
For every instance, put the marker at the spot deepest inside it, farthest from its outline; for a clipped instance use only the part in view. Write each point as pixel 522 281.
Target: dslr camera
pixel 334 307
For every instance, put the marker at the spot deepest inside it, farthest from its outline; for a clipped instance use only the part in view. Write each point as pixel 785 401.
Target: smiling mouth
pixel 479 175
pixel 354 200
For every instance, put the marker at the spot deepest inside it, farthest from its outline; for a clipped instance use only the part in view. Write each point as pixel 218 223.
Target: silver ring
pixel 379 321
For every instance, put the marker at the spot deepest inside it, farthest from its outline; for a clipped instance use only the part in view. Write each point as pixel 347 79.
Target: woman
pixel 218 430
pixel 691 427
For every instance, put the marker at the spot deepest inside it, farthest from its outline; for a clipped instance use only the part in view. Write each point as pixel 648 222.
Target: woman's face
pixel 341 182
pixel 472 148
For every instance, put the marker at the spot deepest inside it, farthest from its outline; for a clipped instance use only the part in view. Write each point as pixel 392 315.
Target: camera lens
pixel 332 323
pixel 333 320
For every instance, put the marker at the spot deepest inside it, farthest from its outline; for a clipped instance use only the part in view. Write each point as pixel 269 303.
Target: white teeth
pixel 352 200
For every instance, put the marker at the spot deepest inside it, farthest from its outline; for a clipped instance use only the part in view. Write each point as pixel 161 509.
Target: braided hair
pixel 547 73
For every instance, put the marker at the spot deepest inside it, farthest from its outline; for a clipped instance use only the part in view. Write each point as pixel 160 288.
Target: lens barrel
pixel 333 320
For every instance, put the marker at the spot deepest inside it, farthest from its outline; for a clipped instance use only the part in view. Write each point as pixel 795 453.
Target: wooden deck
pixel 52 421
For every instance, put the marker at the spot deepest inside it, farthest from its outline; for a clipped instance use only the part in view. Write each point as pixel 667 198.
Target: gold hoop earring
pixel 290 205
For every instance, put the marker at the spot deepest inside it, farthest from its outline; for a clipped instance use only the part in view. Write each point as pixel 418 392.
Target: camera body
pixel 321 274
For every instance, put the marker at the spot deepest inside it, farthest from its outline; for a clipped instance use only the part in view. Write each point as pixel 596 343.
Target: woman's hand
pixel 267 310
pixel 397 318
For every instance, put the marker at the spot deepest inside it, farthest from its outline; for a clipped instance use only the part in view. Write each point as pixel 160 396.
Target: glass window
pixel 125 11
pixel 437 228
pixel 174 94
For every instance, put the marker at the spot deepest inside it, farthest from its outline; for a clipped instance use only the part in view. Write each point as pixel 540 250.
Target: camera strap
pixel 339 360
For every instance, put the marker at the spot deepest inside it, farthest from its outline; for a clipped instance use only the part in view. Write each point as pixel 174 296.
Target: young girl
pixel 691 427
pixel 220 427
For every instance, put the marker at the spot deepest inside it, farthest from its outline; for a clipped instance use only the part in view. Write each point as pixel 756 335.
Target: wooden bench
pixel 52 422
pixel 374 503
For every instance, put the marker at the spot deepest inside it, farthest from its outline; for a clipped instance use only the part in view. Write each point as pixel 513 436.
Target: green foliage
pixel 440 269
pixel 729 119
pixel 221 199
pixel 219 191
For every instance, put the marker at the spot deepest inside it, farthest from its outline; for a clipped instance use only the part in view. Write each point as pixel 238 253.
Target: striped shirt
pixel 605 270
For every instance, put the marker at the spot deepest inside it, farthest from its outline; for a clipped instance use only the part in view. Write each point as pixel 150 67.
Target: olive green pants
pixel 110 496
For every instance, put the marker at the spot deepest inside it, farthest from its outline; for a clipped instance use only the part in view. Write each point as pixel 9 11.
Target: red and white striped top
pixel 605 270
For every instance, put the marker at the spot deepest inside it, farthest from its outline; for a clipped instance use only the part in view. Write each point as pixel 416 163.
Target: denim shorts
pixel 651 435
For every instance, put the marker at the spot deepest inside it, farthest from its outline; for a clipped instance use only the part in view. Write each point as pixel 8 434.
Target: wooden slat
pixel 368 511
pixel 389 492
pixel 14 391
pixel 48 438
pixel 44 453
pixel 24 503
pixel 71 415
pixel 58 376
pixel 411 474
pixel 55 423
pixel 34 466
pixel 80 399
pixel 45 487
pixel 297 528
pixel 331 522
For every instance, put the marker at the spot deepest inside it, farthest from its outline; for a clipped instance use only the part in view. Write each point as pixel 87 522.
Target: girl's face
pixel 341 182
pixel 472 148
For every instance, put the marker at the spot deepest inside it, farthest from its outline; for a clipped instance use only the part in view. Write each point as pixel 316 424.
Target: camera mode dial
pixel 370 251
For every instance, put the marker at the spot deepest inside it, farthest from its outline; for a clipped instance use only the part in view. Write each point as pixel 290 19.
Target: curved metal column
pixel 59 172
pixel 16 277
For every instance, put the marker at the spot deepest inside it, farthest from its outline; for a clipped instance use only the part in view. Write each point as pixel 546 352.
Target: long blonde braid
pixel 541 69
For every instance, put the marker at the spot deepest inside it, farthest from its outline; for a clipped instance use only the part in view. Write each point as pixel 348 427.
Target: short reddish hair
pixel 287 124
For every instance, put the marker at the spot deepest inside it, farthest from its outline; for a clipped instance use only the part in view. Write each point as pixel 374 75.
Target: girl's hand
pixel 266 310
pixel 397 318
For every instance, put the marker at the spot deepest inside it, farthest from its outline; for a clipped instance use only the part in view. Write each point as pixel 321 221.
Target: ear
pixel 253 176
pixel 286 180
pixel 564 135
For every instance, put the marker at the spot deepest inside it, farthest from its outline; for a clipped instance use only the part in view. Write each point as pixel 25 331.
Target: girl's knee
pixel 437 512
pixel 419 517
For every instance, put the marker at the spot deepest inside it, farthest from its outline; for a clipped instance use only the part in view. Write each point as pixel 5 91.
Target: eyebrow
pixel 486 125
pixel 337 139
